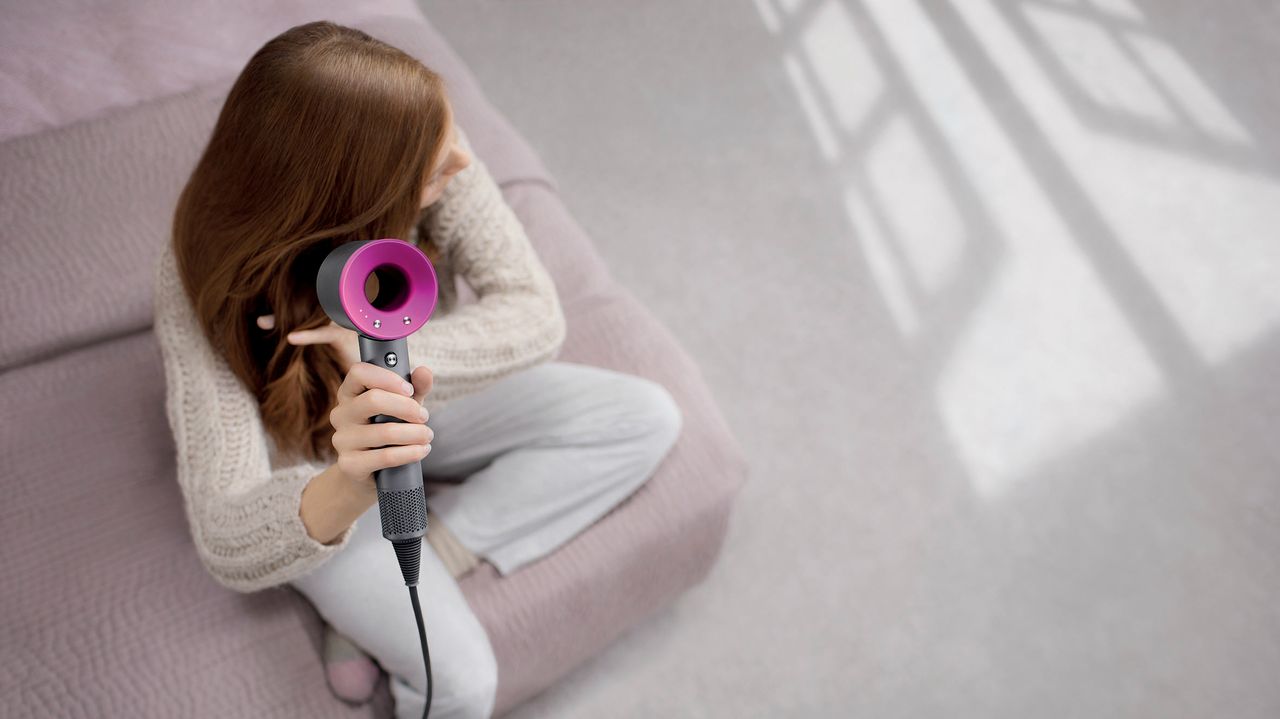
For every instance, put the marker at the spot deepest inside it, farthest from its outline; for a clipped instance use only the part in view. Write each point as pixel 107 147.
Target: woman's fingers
pixel 384 434
pixel 363 376
pixel 365 463
pixel 365 447
pixel 379 401
pixel 330 333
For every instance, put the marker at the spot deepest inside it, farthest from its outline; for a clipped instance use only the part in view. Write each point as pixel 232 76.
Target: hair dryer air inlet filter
pixel 404 512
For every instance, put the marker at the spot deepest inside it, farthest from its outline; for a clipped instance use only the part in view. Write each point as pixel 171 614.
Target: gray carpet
pixel 989 291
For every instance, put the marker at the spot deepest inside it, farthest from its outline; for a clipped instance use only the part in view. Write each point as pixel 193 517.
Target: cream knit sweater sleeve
pixel 241 503
pixel 242 509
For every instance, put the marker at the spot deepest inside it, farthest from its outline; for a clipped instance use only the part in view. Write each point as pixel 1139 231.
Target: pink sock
pixel 351 673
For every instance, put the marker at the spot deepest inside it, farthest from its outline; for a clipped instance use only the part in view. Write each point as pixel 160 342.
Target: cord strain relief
pixel 409 554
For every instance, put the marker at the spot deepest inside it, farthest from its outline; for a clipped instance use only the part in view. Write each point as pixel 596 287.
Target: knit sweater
pixel 240 500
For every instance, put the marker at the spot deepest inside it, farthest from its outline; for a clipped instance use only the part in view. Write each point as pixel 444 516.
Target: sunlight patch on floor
pixel 1198 224
pixel 1098 64
pixel 845 71
pixel 925 221
pixel 1047 360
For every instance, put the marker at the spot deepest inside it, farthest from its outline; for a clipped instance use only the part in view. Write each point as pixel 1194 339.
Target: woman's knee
pixel 593 404
pixel 649 408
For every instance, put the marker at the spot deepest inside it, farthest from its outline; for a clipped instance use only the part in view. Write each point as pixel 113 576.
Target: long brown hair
pixel 326 137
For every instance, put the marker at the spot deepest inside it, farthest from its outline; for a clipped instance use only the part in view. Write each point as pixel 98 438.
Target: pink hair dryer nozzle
pixel 384 317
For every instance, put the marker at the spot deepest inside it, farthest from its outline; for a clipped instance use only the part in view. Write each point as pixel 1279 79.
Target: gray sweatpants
pixel 542 454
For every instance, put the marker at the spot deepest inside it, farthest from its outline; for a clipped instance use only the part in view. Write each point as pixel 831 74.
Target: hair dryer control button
pixel 390 359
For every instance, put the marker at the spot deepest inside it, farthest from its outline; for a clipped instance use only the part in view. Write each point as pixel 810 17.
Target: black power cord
pixel 426 653
pixel 409 554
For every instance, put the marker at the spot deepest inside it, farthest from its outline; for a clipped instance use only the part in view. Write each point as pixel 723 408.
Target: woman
pixel 329 136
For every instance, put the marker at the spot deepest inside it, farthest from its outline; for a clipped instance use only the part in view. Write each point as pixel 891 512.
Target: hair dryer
pixel 385 290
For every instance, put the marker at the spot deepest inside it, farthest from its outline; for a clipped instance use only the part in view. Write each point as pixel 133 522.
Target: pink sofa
pixel 106 610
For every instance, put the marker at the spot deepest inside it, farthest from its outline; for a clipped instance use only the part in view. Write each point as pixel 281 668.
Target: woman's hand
pixel 368 390
pixel 363 447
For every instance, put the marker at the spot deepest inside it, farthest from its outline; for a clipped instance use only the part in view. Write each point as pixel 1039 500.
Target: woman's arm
pixel 516 320
pixel 331 503
pixel 244 514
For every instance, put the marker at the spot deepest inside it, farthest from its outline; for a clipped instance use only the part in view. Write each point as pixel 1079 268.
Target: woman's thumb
pixel 422 383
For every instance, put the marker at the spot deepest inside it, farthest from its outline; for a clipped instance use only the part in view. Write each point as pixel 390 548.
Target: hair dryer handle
pixel 402 500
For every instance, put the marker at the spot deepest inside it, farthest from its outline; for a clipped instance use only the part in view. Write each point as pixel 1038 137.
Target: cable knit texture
pixel 241 502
